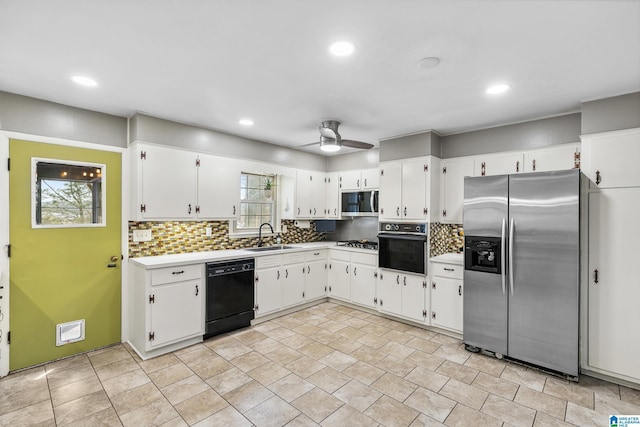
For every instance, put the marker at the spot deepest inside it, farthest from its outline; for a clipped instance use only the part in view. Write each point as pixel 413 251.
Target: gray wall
pixel 618 112
pixel 363 159
pixel 408 146
pixel 520 136
pixel 165 132
pixel 357 228
pixel 37 117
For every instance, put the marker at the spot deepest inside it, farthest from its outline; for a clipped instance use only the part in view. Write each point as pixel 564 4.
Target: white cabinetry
pixel 366 179
pixel 353 277
pixel 316 271
pixel 563 156
pixel 403 295
pixel 333 196
pixel 167 308
pixel 310 194
pixel 339 278
pixel 370 179
pixel 293 285
pixel 452 188
pixel 408 188
pixel 499 164
pixel 218 187
pixel 268 284
pixel 613 284
pixel 610 159
pixel 165 183
pixel 446 296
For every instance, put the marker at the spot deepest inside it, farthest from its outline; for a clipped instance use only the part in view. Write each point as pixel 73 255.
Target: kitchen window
pixel 258 203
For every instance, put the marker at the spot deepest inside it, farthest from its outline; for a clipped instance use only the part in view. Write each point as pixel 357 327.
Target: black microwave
pixel 359 203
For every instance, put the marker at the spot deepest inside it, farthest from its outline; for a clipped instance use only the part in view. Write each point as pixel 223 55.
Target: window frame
pixel 235 232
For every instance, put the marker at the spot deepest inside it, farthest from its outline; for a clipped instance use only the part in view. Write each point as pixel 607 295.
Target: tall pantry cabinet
pixel 611 284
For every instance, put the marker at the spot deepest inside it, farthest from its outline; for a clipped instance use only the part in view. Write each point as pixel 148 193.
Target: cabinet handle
pixel 358 183
pixel 189 208
pixel 433 285
pixel 355 269
pixel 286 273
pixel 404 280
pixel 278 277
pixel 405 211
pixel 197 290
pixel 595 276
pixel 177 272
pixel 314 211
pixel 449 269
pixel 534 165
pixel 398 211
pixel 598 178
pixel 483 169
pixel 365 182
pixel 234 209
pixel 347 269
pixel 518 166
pixel 398 279
pixel 335 211
pixel 460 290
pixel 298 211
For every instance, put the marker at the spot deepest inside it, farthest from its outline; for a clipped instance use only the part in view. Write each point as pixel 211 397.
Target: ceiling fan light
pixel 329 145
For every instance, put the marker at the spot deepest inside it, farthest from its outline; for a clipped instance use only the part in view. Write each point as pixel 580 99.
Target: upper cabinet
pixel 218 187
pixel 408 188
pixel 610 159
pixel 499 164
pixel 333 195
pixel 165 183
pixel 564 156
pixel 178 184
pixel 452 188
pixel 366 179
pixel 310 194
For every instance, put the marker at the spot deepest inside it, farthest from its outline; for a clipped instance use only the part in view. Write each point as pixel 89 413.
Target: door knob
pixel 114 258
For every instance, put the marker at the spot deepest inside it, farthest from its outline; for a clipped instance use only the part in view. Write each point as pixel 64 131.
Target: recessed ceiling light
pixel 246 122
pixel 84 81
pixel 429 62
pixel 342 48
pixel 497 89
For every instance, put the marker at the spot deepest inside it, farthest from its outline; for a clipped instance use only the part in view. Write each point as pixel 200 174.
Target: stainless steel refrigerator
pixel 521 278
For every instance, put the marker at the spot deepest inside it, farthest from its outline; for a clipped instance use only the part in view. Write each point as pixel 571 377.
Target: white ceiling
pixel 212 62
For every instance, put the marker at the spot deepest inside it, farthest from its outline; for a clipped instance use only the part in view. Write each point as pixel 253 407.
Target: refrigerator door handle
pixel 511 231
pixel 503 274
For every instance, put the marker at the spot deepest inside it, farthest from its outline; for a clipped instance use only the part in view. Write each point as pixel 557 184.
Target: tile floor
pixel 327 365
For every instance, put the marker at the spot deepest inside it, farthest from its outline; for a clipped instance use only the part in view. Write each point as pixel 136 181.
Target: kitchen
pixel 180 232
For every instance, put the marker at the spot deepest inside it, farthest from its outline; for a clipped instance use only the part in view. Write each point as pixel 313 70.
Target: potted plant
pixel 268 182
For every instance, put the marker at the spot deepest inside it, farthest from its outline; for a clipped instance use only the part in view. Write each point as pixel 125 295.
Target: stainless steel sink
pixel 270 248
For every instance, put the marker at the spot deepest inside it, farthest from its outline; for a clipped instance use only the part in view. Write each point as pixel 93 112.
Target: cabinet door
pixel 370 179
pixel 316 279
pixel 176 312
pixel 446 303
pixel 304 181
pixel 413 297
pixel 340 279
pixel 552 159
pixel 501 164
pixel 318 195
pixel 389 292
pixel 390 197
pixel 614 291
pixel 363 284
pixel 333 196
pixel 169 179
pixel 350 180
pixel 414 190
pixel 268 290
pixel 218 187
pixel 611 160
pixel 452 188
pixel 293 285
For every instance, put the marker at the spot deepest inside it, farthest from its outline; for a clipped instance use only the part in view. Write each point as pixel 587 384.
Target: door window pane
pixel 67 194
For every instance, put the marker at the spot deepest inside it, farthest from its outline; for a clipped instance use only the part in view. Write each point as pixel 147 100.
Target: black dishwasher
pixel 229 296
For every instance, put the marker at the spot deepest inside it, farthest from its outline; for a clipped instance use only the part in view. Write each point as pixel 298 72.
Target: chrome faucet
pixel 260 232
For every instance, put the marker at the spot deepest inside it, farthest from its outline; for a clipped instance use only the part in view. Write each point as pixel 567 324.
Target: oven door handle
pixel 401 236
pixel 503 273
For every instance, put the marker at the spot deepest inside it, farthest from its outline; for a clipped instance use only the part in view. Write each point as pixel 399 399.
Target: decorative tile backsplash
pixel 446 238
pixel 176 237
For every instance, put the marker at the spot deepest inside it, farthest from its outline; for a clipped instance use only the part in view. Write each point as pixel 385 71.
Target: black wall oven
pixel 403 247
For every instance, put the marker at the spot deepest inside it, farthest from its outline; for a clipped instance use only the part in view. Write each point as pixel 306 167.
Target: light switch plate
pixel 142 235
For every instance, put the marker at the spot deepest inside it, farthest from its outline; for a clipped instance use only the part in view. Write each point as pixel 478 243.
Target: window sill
pixel 252 233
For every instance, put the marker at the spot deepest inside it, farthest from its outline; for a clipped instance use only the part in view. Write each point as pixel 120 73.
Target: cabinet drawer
pixel 294 258
pixel 339 255
pixel 369 259
pixel 269 261
pixel 176 274
pixel 315 255
pixel 447 270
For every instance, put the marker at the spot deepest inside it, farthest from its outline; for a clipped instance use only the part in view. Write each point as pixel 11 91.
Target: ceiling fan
pixel 331 141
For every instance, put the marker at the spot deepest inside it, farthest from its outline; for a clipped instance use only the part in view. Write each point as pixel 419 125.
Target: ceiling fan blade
pixel 356 144
pixel 328 132
pixel 309 145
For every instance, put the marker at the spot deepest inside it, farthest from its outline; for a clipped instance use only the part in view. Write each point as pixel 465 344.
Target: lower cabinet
pixel 172 302
pixel 268 284
pixel 446 296
pixel 316 274
pixel 403 295
pixel 353 276
pixel 293 285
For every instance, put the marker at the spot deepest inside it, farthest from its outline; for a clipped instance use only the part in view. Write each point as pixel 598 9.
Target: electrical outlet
pixel 208 231
pixel 284 228
pixel 142 235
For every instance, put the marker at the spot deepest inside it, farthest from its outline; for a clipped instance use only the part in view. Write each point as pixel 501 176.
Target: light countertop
pixel 449 258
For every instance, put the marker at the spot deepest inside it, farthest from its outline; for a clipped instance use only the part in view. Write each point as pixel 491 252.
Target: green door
pixel 65 236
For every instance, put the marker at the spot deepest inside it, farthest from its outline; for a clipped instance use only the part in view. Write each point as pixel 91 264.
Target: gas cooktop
pixel 362 244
